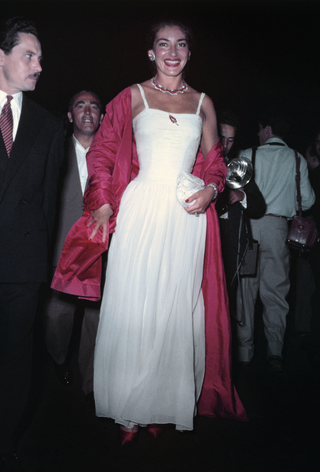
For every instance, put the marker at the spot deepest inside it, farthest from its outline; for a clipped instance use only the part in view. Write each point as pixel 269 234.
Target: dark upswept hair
pixel 10 29
pixel 227 117
pixel 73 99
pixel 278 122
pixel 169 22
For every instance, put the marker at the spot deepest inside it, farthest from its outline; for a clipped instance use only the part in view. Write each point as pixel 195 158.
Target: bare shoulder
pixel 207 102
pixel 207 112
pixel 136 99
pixel 208 109
pixel 134 90
pixel 191 92
pixel 209 130
pixel 192 97
pixel 145 85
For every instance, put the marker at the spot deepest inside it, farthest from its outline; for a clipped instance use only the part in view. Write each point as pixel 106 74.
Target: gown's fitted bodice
pixel 165 147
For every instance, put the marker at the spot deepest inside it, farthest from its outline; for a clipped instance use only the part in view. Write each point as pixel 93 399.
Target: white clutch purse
pixel 187 185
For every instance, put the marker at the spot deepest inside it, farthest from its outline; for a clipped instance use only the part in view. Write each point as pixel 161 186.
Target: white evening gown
pixel 150 347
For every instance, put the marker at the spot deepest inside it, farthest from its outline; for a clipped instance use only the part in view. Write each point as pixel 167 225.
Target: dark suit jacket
pixel 70 200
pixel 256 208
pixel 229 228
pixel 28 187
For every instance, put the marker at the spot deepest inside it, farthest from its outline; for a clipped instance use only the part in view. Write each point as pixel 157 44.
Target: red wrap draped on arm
pixel 112 164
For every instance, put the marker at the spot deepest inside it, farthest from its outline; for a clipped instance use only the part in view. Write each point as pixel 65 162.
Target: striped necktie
pixel 6 124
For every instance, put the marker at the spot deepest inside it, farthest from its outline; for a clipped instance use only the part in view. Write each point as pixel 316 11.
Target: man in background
pixel 275 171
pixel 228 126
pixel 85 114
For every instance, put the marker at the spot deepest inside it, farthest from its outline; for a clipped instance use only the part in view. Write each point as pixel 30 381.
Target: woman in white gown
pixel 150 349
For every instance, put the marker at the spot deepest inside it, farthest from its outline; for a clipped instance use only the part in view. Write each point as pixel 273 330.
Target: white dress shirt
pixel 16 105
pixel 81 154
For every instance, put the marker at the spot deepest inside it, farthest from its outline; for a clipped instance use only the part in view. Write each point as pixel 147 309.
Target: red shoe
pixel 155 430
pixel 125 438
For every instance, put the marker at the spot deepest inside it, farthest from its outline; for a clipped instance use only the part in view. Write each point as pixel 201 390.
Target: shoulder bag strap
pixel 298 182
pixel 246 218
pixel 253 158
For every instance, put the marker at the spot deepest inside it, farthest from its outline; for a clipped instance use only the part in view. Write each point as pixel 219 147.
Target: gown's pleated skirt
pixel 150 348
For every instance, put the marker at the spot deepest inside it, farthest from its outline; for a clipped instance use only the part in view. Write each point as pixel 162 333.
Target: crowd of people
pixel 268 206
pixel 157 348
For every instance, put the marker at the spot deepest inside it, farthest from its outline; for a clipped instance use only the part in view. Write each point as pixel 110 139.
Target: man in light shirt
pixel 31 152
pixel 275 170
pixel 85 114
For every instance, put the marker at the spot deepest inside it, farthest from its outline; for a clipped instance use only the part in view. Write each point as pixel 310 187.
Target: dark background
pixel 248 54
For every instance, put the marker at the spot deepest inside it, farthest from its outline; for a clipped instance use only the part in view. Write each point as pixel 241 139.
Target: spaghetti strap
pixel 143 96
pixel 200 103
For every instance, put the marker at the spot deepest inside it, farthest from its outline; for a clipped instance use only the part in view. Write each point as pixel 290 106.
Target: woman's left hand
pixel 203 199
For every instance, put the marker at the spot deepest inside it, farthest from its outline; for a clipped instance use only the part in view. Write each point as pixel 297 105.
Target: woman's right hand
pixel 101 217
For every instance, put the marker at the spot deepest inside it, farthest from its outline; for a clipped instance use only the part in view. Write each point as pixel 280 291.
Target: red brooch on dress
pixel 173 119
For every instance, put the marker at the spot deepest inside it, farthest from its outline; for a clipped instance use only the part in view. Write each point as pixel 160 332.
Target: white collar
pixel 274 139
pixel 76 142
pixel 17 97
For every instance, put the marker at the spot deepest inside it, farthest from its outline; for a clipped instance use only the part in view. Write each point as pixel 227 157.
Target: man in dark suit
pixel 85 113
pixel 232 206
pixel 31 151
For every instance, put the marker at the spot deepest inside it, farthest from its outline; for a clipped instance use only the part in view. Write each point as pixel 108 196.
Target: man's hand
pixel 236 196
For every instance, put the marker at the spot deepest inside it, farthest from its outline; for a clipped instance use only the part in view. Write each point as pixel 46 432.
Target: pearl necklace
pixel 182 89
